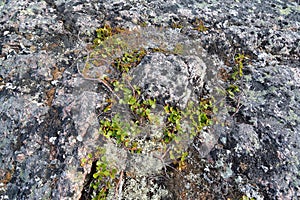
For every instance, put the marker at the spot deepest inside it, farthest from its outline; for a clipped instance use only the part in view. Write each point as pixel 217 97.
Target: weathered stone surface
pixel 48 112
pixel 169 78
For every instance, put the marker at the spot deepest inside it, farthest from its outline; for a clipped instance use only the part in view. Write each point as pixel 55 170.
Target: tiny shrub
pixel 103 178
pixel 237 72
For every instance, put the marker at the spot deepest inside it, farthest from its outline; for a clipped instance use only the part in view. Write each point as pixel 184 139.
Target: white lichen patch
pixel 141 188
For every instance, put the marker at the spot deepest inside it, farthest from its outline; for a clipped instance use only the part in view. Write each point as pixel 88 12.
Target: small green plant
pixel 103 178
pixel 199 26
pixel 132 97
pixel 115 128
pixel 182 164
pixel 107 49
pixel 233 81
pixel 244 197
pixel 232 90
pixel 121 132
pixel 105 32
pixel 129 60
pixel 236 74
pixel 238 66
pixel 142 108
pixel 87 160
pixel 199 115
pixel 173 124
pixel 102 33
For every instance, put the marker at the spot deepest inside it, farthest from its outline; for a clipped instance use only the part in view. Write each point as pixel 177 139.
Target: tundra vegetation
pixel 127 112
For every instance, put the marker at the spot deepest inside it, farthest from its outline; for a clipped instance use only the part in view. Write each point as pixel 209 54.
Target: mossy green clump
pixel 102 34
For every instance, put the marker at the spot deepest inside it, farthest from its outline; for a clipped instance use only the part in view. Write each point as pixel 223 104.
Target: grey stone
pixel 168 78
pixel 258 155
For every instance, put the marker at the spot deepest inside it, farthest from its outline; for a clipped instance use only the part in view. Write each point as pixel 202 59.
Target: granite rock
pixel 49 111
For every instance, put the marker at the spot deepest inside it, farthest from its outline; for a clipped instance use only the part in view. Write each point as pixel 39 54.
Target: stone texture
pixel 49 112
pixel 169 78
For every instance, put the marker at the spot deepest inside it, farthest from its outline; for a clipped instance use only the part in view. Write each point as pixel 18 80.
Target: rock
pixel 169 78
pixel 49 112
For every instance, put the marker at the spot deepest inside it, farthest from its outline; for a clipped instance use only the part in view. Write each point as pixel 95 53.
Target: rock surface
pixel 49 112
pixel 169 78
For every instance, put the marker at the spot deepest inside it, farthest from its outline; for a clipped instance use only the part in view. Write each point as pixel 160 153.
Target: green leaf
pixel 183 156
pixel 95 175
pixel 112 176
pixel 103 158
pixel 230 93
pixel 172 155
pixel 83 160
pixel 95 187
pixel 148 112
pixel 132 100
pixel 167 140
pixel 106 173
pixel 204 118
pixel 114 171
